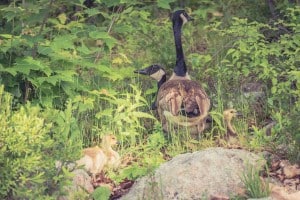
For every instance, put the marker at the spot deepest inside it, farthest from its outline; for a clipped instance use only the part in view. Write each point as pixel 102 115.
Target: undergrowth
pixel 67 72
pixel 255 186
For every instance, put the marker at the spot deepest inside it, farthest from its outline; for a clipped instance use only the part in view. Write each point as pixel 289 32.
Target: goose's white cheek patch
pixel 158 75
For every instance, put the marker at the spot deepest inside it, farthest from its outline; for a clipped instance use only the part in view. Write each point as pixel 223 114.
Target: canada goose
pixel 179 95
pixel 180 17
pixel 95 158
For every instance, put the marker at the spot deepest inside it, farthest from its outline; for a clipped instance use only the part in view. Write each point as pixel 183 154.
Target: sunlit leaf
pixel 62 18
pixel 164 3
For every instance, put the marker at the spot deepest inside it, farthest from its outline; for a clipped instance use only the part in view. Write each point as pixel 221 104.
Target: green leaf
pixel 6 36
pixel 106 112
pixel 274 90
pixel 83 49
pixel 98 35
pixel 142 115
pixel 244 47
pixel 63 42
pixel 101 193
pixel 110 3
pixel 62 18
pixel 44 50
pixel 109 41
pixel 51 79
pixel 230 51
pixel 92 12
pixel 164 3
pixel 25 65
pixel 10 70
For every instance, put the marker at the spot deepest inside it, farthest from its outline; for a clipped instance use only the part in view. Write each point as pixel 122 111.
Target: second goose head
pixel 154 71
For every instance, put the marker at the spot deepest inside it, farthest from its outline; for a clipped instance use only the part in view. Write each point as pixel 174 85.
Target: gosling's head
pixel 230 113
pixel 110 140
pixel 154 71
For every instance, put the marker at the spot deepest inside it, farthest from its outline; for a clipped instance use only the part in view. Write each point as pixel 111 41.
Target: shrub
pixel 28 150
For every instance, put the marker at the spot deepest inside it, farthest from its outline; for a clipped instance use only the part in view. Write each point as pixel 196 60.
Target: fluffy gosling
pixel 228 115
pixel 95 158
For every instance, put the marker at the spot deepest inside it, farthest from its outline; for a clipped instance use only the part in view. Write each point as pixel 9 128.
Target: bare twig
pixel 114 19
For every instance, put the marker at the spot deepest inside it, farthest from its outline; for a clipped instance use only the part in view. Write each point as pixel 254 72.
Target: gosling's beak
pixel 141 71
pixel 208 119
pixel 239 114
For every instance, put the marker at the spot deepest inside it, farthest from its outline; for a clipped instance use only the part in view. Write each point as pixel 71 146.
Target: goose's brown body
pixel 183 95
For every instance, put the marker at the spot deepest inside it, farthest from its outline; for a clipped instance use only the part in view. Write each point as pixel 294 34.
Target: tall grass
pixel 255 186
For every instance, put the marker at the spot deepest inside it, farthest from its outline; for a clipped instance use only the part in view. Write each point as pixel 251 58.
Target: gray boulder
pixel 207 174
pixel 80 187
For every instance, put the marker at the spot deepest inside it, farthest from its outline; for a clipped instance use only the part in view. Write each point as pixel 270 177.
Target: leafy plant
pixel 25 148
pixel 31 142
pixel 255 186
pixel 69 68
pixel 101 193
pixel 252 56
pixel 122 113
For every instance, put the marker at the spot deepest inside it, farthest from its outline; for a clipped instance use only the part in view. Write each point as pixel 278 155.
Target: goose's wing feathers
pixel 182 95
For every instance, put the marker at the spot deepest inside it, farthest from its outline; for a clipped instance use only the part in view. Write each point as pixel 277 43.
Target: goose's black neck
pixel 159 84
pixel 161 81
pixel 180 68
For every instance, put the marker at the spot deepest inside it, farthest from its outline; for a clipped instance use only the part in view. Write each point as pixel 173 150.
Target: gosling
pixel 228 115
pixel 95 159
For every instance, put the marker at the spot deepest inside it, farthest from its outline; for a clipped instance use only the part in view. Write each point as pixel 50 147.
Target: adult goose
pixel 179 95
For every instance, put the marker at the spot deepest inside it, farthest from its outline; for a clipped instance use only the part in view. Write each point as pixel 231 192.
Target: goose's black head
pixel 154 71
pixel 181 17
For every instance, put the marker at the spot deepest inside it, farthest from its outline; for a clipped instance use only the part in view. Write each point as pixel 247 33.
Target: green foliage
pixel 259 52
pixel 101 193
pixel 147 157
pixel 26 151
pixel 77 64
pixel 122 114
pixel 30 146
pixel 255 186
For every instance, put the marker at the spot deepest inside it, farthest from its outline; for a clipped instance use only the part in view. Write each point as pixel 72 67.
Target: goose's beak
pixel 141 71
pixel 190 19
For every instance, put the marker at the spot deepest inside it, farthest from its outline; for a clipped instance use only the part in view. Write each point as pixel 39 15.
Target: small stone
pixel 291 171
